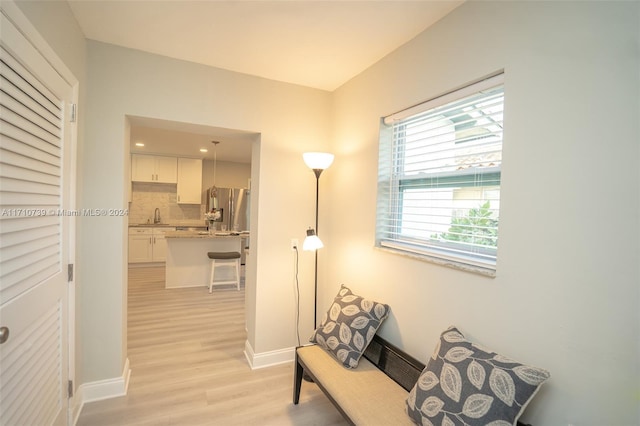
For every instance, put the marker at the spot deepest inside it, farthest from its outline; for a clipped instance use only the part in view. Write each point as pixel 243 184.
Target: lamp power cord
pixel 295 248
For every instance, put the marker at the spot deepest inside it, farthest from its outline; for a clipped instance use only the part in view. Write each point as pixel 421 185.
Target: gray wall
pixel 566 295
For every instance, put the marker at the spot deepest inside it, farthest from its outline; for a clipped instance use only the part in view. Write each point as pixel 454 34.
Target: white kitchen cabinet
pixel 140 245
pixel 153 168
pixel 189 186
pixel 147 244
pixel 160 244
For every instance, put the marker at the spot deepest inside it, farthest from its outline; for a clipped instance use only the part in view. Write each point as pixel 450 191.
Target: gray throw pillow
pixel 348 327
pixel 464 384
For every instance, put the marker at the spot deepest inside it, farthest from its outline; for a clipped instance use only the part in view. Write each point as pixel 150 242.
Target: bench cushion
pixel 365 394
pixel 349 326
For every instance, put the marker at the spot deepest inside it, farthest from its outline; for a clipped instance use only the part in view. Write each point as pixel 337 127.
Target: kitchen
pixel 174 167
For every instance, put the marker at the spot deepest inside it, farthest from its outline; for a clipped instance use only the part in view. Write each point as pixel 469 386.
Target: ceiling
pixel 186 139
pixel 318 44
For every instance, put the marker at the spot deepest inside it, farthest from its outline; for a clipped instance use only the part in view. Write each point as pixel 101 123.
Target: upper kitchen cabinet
pixel 153 168
pixel 189 186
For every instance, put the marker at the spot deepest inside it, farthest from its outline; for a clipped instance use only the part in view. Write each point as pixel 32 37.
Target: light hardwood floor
pixel 188 366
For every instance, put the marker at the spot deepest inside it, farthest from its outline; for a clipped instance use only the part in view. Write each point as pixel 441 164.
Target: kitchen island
pixel 187 262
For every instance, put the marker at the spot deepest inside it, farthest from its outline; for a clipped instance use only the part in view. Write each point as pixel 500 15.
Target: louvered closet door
pixel 34 243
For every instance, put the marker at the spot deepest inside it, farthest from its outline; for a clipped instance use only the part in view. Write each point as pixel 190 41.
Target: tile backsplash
pixel 146 197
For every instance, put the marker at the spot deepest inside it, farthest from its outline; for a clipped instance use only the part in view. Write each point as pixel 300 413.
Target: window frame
pixel 393 185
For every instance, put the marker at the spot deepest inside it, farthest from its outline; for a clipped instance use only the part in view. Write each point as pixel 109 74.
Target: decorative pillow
pixel 464 384
pixel 348 327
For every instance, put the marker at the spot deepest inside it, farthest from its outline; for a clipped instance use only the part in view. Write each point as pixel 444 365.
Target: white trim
pixel 447 256
pixel 105 389
pixel 484 83
pixel 75 408
pixel 267 359
pixel 491 273
pixel 248 353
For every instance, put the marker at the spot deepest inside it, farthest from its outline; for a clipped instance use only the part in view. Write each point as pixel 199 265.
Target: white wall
pixel 126 82
pixel 227 175
pixel 566 295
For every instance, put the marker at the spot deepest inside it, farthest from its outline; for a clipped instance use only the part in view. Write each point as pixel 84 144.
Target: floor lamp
pixel 318 162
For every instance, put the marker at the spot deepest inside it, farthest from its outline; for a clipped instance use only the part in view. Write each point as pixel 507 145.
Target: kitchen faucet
pixel 156 216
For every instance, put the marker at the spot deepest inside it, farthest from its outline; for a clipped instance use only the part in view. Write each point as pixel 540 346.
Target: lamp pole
pixel 316 161
pixel 315 297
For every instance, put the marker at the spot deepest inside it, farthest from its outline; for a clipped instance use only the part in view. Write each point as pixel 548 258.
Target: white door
pixel 36 172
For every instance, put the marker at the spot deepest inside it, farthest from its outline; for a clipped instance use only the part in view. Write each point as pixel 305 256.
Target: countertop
pixel 203 234
pixel 183 224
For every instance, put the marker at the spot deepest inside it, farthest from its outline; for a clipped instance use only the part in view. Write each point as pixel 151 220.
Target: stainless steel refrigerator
pixel 233 205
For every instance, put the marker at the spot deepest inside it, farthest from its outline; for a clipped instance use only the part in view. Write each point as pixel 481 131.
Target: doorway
pixel 232 164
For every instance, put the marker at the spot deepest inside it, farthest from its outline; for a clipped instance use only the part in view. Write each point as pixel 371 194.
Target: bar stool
pixel 221 259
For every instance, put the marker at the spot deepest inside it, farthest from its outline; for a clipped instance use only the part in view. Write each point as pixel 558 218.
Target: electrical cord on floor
pixel 297 298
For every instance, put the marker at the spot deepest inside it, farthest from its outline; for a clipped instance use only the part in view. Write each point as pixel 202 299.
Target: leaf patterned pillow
pixel 464 384
pixel 348 327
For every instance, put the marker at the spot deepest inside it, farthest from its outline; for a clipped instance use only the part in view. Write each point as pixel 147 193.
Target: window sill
pixel 442 262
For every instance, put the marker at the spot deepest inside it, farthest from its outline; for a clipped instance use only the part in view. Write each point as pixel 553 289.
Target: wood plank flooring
pixel 188 366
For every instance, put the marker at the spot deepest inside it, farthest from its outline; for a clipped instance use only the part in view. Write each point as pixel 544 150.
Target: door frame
pixel 11 10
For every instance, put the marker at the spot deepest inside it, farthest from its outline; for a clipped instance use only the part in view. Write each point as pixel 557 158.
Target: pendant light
pixel 214 190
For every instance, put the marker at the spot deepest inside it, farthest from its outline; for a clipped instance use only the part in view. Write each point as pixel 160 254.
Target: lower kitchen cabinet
pixel 140 245
pixel 148 245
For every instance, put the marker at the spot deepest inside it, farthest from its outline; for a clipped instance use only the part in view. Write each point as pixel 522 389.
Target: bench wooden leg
pixel 297 380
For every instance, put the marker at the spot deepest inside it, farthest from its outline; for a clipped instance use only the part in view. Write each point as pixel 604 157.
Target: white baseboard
pixel 267 359
pixel 97 391
pixel 76 407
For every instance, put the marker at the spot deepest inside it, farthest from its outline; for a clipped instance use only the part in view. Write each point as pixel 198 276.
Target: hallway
pixel 188 366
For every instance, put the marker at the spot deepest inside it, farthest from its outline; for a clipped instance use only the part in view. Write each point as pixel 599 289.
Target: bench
pixel 374 393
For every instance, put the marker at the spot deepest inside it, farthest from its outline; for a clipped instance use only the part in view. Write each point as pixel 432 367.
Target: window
pixel 439 177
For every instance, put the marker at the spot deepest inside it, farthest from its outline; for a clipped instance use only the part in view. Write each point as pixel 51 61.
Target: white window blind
pixel 439 176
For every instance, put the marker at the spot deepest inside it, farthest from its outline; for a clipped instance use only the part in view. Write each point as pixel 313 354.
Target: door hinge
pixel 74 113
pixel 70 389
pixel 70 272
